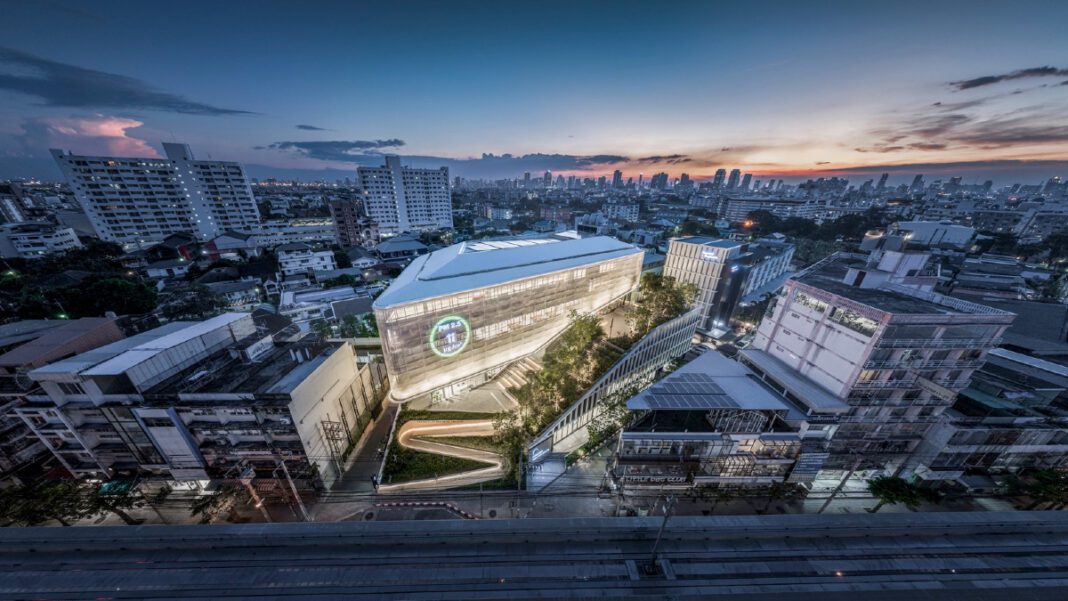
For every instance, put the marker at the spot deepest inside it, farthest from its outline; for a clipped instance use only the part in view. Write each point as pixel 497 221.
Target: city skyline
pixel 494 91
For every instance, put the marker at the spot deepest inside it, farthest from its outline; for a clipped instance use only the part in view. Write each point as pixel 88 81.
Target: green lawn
pixel 404 465
pixel 481 443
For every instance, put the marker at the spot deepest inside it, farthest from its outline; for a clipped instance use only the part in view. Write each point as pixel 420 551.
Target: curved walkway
pixel 413 435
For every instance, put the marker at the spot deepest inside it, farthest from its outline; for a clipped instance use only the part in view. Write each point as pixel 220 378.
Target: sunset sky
pixel 493 89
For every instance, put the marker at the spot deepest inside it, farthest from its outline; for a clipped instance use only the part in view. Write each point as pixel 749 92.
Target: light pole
pixel 669 506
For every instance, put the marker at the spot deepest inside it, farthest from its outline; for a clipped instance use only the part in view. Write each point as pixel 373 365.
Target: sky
pixel 494 89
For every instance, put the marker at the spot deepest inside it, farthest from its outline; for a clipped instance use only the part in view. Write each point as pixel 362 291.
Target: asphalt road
pixel 916 557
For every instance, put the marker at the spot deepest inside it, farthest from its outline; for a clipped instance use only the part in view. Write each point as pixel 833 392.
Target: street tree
pixel 891 490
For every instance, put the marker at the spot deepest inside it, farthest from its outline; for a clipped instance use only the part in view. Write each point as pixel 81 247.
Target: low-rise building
pixel 210 399
pixel 298 259
pixel 36 347
pixel 713 422
pixel 35 240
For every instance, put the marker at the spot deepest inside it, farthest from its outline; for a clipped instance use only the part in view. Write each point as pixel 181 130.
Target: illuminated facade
pixel 456 317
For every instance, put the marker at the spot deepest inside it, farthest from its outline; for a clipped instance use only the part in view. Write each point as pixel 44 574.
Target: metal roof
pixel 711 381
pixel 467 266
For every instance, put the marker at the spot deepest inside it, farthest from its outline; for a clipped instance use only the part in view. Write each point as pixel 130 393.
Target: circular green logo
pixel 449 336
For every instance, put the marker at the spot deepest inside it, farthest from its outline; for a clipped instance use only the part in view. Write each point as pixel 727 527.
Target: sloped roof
pixel 477 264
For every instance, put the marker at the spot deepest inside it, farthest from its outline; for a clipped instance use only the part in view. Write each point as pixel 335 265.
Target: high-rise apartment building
pixel 732 181
pixel 404 199
pixel 721 175
pixel 747 180
pixel 868 330
pixel 134 201
pixel 617 179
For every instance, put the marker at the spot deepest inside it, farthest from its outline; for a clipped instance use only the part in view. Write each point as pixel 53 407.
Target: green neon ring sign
pixel 448 351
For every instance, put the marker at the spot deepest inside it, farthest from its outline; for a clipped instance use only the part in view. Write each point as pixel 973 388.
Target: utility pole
pixel 668 507
pixel 293 487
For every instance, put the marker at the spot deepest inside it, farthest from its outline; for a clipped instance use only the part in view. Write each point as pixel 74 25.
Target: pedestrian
pixel 374 481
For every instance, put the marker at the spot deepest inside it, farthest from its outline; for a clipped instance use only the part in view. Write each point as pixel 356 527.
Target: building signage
pixel 449 336
pixel 709 255
pixel 936 389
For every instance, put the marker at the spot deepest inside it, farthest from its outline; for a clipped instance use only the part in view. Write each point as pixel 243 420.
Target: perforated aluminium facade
pixel 441 337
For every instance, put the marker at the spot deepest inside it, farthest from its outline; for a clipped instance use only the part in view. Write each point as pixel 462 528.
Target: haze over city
pixel 495 90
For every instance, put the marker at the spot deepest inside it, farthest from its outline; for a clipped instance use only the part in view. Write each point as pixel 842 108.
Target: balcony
pixel 961 343
pixel 911 364
pixel 895 384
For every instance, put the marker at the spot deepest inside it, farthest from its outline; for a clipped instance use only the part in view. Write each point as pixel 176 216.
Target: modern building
pixel 713 421
pixel 352 228
pixel 404 199
pixel 455 317
pixel 200 400
pixel 724 271
pixel 866 330
pixel 299 259
pixel 136 201
pixel 28 240
pixel 624 211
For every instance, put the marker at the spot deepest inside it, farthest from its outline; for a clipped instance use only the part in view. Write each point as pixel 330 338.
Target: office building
pixel 405 199
pixel 200 400
pixel 718 179
pixel 747 180
pixel 135 201
pixel 713 422
pixel 721 271
pixel 617 179
pixel 868 331
pixel 456 317
pixel 351 227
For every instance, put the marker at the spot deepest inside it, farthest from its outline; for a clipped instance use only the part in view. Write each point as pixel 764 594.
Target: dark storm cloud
pixel 670 159
pixel 352 151
pixel 311 128
pixel 987 80
pixel 60 84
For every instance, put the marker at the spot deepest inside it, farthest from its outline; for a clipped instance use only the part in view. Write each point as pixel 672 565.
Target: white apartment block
pixel 312 230
pixel 404 199
pixel 298 259
pixel 36 240
pixel 866 331
pixel 136 201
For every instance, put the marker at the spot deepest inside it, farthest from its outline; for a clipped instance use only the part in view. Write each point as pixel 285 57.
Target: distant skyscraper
pixel 526 179
pixel 547 179
pixel 732 181
pixel 684 181
pixel 641 180
pixel 917 183
pixel 617 179
pixel 721 174
pixel 659 181
pixel 402 199
pixel 139 200
pixel 560 182
pixel 882 182
pixel 746 180
pixel 602 182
